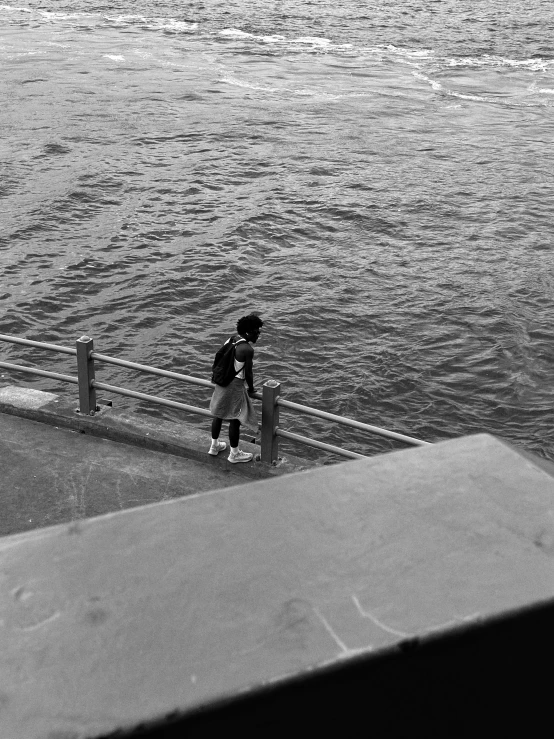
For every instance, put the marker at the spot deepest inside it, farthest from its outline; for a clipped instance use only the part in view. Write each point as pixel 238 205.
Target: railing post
pixel 85 375
pixel 270 420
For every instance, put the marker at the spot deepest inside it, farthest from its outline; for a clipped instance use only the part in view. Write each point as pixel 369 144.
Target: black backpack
pixel 223 368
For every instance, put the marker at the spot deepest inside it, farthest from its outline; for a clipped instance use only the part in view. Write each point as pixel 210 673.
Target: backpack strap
pixel 234 345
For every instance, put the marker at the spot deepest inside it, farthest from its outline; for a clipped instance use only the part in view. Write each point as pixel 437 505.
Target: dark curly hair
pixel 249 323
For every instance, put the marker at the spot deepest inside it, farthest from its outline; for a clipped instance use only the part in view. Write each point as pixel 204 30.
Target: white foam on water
pixel 114 57
pixel 311 40
pixel 276 38
pixel 434 84
pixel 51 15
pixel 417 53
pixel 126 18
pixel 301 92
pixel 466 96
pixel 15 9
pixel 152 24
pixel 180 26
pixel 273 39
pixel 236 82
pixel 451 93
pixel 534 65
pixel 536 90
pixel 236 33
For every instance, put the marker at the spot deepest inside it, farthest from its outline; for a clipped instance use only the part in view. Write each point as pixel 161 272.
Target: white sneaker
pixel 240 456
pixel 219 446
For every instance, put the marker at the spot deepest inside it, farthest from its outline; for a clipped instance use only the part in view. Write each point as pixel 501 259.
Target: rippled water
pixel 374 178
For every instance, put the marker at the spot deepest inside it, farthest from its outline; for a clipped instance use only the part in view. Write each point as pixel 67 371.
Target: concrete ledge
pixel 412 590
pixel 182 440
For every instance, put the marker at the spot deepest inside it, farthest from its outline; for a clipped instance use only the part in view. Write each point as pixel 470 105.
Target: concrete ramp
pixel 408 594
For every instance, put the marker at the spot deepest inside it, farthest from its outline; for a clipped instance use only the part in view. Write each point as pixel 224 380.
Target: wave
pixel 16 9
pixel 275 39
pixel 236 82
pixel 512 100
pixel 302 92
pixel 412 53
pixel 118 21
pixel 307 43
pixel 534 88
pixel 534 65
pixel 420 58
pixel 426 64
pixel 322 43
pixel 236 32
pixel 314 40
pixel 439 87
pixel 152 24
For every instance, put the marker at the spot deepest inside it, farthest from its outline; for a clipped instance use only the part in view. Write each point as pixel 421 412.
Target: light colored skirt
pixel 233 402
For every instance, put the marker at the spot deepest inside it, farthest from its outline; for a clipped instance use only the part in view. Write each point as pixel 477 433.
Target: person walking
pixel 233 402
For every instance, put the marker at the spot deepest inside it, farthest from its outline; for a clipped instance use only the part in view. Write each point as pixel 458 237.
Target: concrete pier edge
pixel 181 439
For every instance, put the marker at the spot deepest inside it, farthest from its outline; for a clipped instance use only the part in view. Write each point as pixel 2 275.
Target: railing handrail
pixel 42 373
pixel 40 344
pixel 318 444
pixel 153 398
pixel 151 370
pixel 271 402
pixel 308 411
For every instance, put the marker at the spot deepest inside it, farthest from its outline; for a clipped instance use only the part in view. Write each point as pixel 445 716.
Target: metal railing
pixel 270 397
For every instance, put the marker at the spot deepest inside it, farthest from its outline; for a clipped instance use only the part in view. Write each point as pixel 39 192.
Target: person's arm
pixel 245 353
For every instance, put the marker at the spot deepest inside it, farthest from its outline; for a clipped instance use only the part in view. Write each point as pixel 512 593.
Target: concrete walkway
pixel 54 475
pixel 57 466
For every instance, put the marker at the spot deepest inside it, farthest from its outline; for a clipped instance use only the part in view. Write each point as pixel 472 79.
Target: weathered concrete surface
pixel 69 467
pixel 129 617
pixel 26 397
pixel 54 475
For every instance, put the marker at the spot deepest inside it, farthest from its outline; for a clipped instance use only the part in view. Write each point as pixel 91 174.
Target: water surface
pixel 375 179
